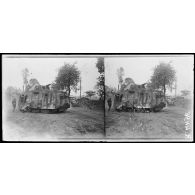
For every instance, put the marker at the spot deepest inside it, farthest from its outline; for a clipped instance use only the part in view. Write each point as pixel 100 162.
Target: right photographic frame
pixel 149 97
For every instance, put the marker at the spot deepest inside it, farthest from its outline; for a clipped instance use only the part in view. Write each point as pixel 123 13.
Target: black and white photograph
pixel 52 98
pixel 149 97
pixel 98 98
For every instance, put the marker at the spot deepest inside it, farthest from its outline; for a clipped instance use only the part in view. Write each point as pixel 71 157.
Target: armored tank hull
pixel 139 99
pixel 44 101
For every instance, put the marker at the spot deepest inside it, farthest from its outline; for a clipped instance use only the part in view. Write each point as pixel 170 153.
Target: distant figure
pixel 109 103
pixel 14 104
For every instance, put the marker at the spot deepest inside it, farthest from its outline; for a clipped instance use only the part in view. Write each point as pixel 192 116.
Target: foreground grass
pixel 75 123
pixel 167 124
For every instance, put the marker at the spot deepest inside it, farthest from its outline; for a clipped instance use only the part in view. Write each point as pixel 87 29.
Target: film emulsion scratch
pixel 109 98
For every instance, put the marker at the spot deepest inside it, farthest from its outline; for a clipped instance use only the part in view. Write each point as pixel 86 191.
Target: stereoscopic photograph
pixel 97 98
pixel 149 97
pixel 52 98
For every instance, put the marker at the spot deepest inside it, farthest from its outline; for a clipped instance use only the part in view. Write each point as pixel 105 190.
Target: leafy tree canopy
pixel 163 76
pixel 12 92
pixel 100 83
pixel 67 78
pixel 100 65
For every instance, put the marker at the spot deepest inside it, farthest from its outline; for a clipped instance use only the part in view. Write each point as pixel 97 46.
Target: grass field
pixel 83 123
pixel 77 123
pixel 167 124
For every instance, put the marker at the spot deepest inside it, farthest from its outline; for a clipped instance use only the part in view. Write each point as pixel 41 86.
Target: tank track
pixel 138 110
pixel 141 109
pixel 39 110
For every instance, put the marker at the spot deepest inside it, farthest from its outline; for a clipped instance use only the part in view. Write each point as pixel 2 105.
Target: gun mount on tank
pixel 43 99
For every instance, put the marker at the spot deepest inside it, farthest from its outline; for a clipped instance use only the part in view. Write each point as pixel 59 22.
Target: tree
pixel 120 74
pixel 90 93
pixel 100 83
pixel 67 78
pixel 163 76
pixel 25 75
pixel 12 92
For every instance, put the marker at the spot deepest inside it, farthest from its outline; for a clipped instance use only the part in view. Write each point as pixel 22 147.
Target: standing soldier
pixel 109 103
pixel 14 104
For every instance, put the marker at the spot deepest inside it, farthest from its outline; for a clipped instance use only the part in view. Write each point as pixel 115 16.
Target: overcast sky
pixel 46 69
pixel 140 69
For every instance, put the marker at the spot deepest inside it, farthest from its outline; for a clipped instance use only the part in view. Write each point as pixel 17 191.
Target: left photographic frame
pixel 52 98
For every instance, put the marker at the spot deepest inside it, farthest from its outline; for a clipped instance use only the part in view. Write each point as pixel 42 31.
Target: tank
pixel 43 100
pixel 140 99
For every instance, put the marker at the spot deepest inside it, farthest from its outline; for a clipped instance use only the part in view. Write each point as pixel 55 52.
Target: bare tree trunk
pixel 80 88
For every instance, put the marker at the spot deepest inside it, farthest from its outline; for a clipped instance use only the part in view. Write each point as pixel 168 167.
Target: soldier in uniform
pixel 14 104
pixel 109 103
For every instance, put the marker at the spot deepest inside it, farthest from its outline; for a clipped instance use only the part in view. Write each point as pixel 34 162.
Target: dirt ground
pixel 82 124
pixel 170 123
pixel 75 123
